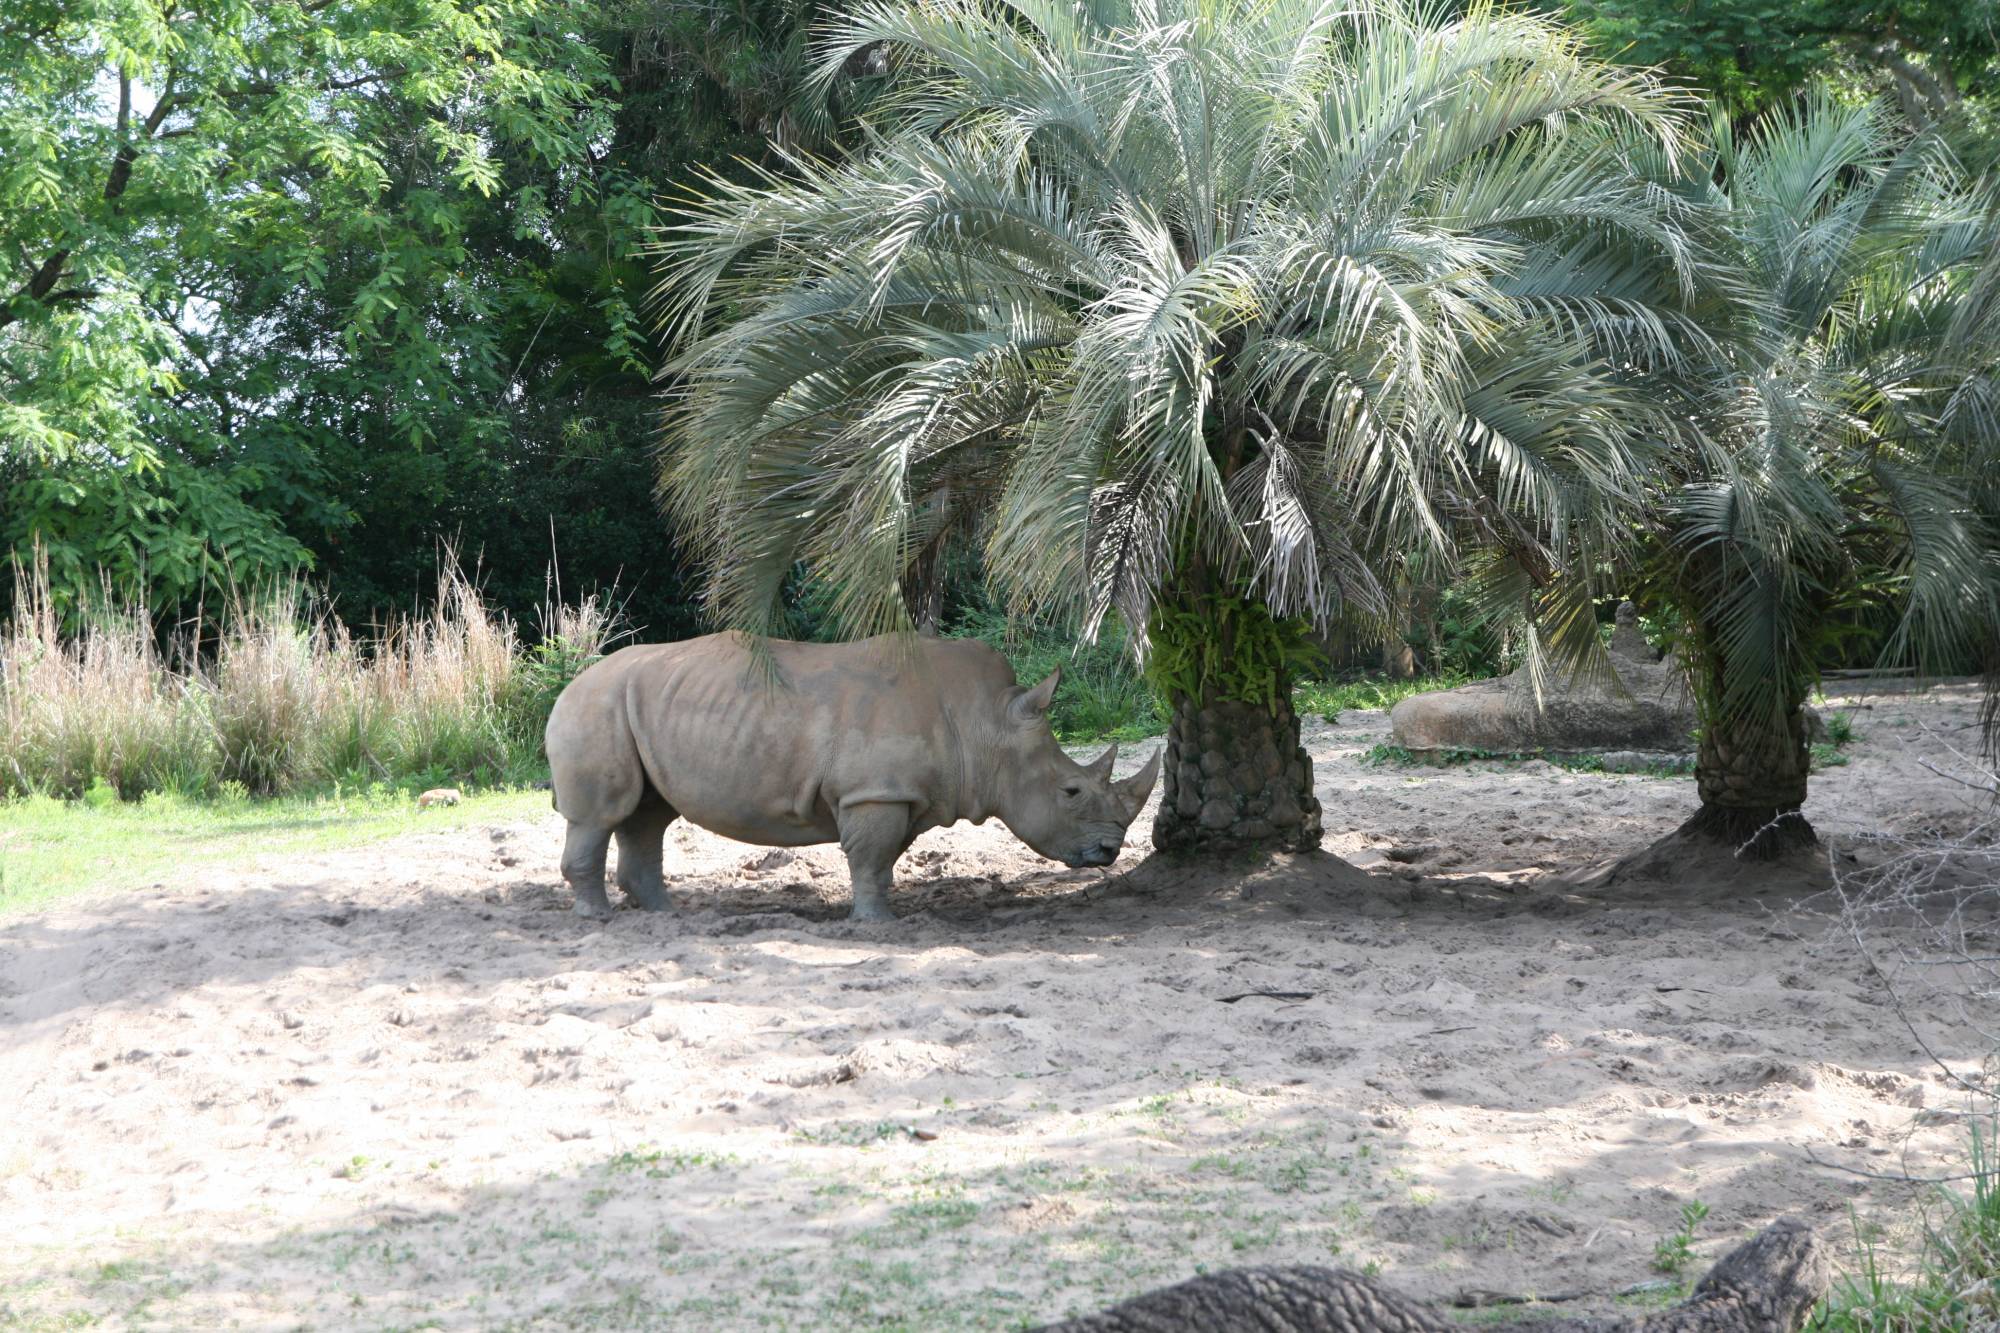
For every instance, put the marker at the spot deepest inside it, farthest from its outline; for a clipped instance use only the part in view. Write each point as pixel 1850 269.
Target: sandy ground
pixel 403 1087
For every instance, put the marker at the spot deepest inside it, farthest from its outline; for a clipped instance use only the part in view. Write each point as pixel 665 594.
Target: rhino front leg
pixel 873 835
pixel 583 868
pixel 640 839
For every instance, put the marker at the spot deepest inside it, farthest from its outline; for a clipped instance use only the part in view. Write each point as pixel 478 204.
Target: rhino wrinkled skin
pixel 866 744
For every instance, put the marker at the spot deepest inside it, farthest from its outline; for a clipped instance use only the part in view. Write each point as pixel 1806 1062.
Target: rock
pixel 1769 1284
pixel 1646 708
pixel 1626 638
pixel 1640 761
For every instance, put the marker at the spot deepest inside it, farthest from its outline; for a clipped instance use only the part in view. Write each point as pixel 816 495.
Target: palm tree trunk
pixel 1751 772
pixel 1237 779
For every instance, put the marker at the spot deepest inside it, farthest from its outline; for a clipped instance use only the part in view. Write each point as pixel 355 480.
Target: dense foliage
pixel 1757 54
pixel 1848 433
pixel 323 286
pixel 1188 303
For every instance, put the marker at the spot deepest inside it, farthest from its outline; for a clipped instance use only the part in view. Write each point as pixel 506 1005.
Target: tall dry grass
pixel 276 695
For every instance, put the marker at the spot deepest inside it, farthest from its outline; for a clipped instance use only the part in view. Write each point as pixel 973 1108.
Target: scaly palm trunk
pixel 1237 779
pixel 1751 772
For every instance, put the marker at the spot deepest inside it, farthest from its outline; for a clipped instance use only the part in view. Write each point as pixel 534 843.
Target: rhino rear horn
pixel 1133 791
pixel 1032 705
pixel 1101 766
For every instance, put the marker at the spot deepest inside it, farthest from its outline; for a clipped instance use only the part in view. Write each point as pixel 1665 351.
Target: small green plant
pixel 1955 1283
pixel 1675 1252
pixel 1384 754
pixel 660 1163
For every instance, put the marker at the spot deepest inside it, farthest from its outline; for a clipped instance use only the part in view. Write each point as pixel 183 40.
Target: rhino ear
pixel 1133 791
pixel 1033 705
pixel 1101 766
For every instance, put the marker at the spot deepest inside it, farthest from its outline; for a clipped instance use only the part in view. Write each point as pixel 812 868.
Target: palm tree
pixel 1853 427
pixel 1203 313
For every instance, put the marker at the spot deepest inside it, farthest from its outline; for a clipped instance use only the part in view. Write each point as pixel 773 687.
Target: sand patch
pixel 403 1084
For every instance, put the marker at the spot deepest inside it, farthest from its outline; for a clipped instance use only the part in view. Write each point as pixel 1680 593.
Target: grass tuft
pixel 276 697
pixel 1955 1283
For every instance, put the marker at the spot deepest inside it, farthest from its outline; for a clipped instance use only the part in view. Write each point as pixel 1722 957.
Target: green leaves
pixel 1840 479
pixel 234 244
pixel 1288 291
pixel 1757 56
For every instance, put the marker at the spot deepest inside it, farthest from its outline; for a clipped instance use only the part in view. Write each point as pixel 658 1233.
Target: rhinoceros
pixel 867 744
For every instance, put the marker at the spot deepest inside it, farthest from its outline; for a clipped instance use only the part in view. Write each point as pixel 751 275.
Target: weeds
pixel 1956 1280
pixel 1675 1252
pixel 1379 755
pixel 275 696
pixel 1330 698
pixel 1923 918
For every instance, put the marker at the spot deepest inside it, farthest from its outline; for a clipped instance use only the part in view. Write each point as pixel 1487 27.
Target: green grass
pixel 1955 1283
pixel 1839 728
pixel 51 850
pixel 1328 698
pixel 1384 754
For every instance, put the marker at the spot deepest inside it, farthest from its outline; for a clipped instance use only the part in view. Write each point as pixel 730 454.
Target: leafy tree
pixel 1202 314
pixel 1758 54
pixel 1852 429
pixel 239 236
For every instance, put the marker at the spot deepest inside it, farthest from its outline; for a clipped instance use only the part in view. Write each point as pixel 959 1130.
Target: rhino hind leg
pixel 641 839
pixel 583 867
pixel 873 834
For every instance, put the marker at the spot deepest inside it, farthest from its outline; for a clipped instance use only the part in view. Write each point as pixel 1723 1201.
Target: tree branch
pixel 43 281
pixel 268 89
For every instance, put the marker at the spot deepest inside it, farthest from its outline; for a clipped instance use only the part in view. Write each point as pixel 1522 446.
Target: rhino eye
pixel 1072 790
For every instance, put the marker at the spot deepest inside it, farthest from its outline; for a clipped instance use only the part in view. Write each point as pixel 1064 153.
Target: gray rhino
pixel 866 744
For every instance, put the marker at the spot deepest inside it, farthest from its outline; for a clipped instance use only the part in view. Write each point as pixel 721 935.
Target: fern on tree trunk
pixel 1237 779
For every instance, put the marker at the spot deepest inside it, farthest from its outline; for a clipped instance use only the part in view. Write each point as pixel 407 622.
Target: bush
pixel 1330 698
pixel 1103 696
pixel 1922 913
pixel 277 696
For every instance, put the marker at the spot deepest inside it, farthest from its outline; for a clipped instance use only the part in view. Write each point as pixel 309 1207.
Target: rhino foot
pixel 591 904
pixel 870 910
pixel 650 897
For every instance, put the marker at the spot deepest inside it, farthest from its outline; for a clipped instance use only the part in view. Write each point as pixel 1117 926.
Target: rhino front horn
pixel 1101 766
pixel 1134 790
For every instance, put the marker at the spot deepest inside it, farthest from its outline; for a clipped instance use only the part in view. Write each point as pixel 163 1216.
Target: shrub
pixel 277 696
pixel 1103 696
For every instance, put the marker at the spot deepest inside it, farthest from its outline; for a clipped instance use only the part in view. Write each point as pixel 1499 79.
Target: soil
pixel 402 1086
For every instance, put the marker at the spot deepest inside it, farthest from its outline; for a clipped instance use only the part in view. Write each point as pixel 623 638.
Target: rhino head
pixel 1069 812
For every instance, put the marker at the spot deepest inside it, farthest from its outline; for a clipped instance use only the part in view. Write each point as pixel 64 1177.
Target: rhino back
pixel 767 751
